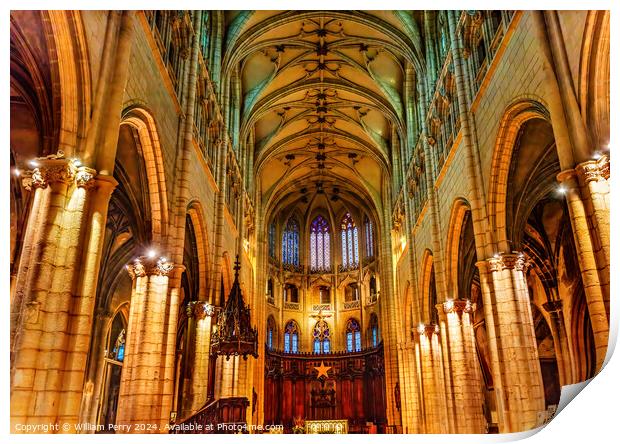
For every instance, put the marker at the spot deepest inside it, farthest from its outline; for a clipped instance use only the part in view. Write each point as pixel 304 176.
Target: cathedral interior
pixel 306 221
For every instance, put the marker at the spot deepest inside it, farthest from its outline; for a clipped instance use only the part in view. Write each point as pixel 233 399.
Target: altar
pixel 336 426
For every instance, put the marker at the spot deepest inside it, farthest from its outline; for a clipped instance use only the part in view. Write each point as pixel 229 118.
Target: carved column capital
pixel 51 169
pixel 146 266
pixel 508 261
pixel 457 306
pixel 85 178
pixel 428 330
pixel 200 310
pixel 593 170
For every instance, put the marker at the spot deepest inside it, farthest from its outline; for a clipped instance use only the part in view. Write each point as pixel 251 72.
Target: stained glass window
pixel 272 240
pixel 290 242
pixel 370 252
pixel 354 337
pixel 321 334
pixel 319 245
pixel 374 330
pixel 291 337
pixel 271 327
pixel 350 254
pixel 119 347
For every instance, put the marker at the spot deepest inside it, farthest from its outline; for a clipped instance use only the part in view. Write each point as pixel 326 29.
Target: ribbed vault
pixel 321 98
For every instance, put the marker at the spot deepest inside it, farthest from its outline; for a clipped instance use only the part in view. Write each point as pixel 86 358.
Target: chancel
pixel 306 221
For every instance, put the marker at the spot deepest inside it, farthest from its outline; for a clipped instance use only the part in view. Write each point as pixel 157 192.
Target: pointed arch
pixel 196 215
pixel 353 335
pixel 290 241
pixel 594 78
pixel 320 244
pixel 65 32
pixel 428 291
pixel 349 234
pixel 291 337
pixel 460 208
pixel 271 338
pixel 515 116
pixel 373 331
pixel 144 123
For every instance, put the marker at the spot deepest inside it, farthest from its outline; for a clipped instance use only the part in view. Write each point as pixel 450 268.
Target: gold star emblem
pixel 322 369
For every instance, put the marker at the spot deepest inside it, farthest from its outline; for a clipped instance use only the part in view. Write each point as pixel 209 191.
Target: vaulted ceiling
pixel 322 99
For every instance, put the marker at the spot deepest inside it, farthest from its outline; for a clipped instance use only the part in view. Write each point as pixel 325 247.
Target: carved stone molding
pixel 145 266
pixel 200 310
pixel 56 169
pixel 593 170
pixel 585 172
pixel 85 178
pixel 428 330
pixel 457 306
pixel 508 261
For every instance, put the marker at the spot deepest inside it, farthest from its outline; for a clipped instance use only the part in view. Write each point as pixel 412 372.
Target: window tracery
pixel 349 233
pixel 354 336
pixel 291 337
pixel 321 335
pixel 320 258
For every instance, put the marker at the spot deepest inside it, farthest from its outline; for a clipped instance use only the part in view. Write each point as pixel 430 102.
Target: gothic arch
pixel 515 116
pixel 196 214
pixel 428 291
pixel 73 70
pixel 594 94
pixel 460 207
pixel 144 123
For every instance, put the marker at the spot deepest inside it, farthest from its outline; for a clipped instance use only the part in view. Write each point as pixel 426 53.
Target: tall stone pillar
pixel 432 379
pixel 584 179
pixel 459 350
pixel 587 196
pixel 512 342
pixel 50 316
pixel 410 405
pixel 142 398
pixel 202 313
pixel 560 341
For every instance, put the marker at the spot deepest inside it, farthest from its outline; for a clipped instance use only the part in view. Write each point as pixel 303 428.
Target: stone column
pixel 141 397
pixel 459 350
pixel 202 313
pixel 512 342
pixel 93 387
pixel 560 341
pixel 411 410
pixel 585 180
pixel 50 320
pixel 587 196
pixel 432 380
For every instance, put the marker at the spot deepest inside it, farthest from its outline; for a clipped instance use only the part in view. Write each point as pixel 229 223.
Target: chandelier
pixel 234 334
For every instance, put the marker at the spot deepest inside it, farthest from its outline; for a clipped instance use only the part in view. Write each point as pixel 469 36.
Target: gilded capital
pixel 200 310
pixel 457 306
pixel 85 178
pixel 49 170
pixel 146 266
pixel 428 330
pixel 593 170
pixel 508 261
